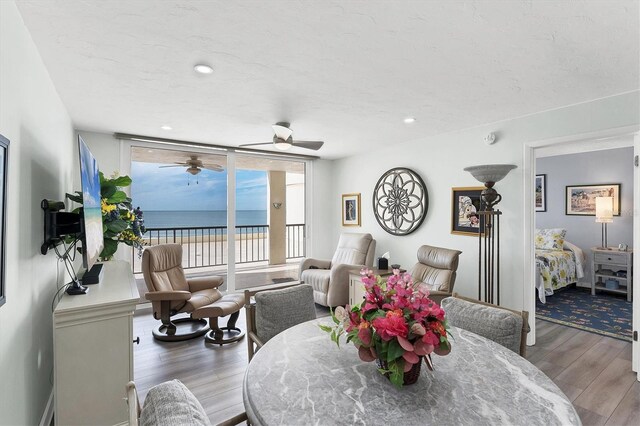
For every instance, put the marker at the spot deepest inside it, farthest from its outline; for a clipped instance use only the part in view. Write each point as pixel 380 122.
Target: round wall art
pixel 400 201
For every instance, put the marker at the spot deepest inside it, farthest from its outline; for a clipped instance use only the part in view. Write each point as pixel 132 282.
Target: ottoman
pixel 229 304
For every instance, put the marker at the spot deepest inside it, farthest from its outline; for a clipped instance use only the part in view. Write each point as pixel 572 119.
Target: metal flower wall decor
pixel 400 201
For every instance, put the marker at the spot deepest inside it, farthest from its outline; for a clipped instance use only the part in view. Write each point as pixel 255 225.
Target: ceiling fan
pixel 195 166
pixel 282 139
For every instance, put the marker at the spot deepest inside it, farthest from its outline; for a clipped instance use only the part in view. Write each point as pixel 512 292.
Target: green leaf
pixel 121 181
pixel 76 198
pixel 116 198
pixel 325 328
pixel 394 351
pixel 397 372
pixel 117 225
pixel 110 247
pixel 107 191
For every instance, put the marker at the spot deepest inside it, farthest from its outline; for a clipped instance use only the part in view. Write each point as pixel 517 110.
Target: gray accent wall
pixel 589 168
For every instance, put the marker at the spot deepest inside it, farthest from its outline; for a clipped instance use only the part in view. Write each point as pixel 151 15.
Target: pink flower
pixel 430 338
pixel 390 327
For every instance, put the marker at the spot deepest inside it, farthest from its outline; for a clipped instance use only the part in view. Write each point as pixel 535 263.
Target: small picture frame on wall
pixel 541 193
pixel 4 176
pixel 580 200
pixel 351 209
pixel 465 203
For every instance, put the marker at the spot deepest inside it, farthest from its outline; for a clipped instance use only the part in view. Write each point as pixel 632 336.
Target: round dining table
pixel 300 377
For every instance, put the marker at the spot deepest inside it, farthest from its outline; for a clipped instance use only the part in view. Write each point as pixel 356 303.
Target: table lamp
pixel 604 215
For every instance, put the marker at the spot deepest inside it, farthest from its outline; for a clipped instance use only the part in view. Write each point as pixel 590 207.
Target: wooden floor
pixel 593 371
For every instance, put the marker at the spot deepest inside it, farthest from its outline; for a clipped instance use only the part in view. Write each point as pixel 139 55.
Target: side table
pixel 614 266
pixel 356 288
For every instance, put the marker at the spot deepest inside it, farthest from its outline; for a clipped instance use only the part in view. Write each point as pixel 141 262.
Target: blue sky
pixel 154 188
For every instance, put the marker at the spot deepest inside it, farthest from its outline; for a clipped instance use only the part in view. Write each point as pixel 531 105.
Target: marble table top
pixel 300 377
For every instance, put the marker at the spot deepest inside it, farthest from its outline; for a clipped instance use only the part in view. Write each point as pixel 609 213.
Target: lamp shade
pixel 604 209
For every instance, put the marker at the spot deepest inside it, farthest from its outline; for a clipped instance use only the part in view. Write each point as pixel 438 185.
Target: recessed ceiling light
pixel 410 120
pixel 203 69
pixel 166 127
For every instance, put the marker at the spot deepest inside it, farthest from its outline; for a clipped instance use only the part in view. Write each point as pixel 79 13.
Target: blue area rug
pixel 606 314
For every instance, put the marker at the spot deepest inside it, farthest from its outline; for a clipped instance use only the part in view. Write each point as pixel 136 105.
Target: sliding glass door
pixel 208 202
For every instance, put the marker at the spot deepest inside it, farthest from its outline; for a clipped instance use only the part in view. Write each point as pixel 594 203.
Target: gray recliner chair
pixel 330 278
pixel 436 270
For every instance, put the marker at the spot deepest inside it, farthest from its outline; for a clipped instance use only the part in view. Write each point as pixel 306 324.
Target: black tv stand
pixel 76 288
pixel 93 275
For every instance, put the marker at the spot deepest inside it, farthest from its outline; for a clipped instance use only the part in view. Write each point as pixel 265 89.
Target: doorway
pixel 613 138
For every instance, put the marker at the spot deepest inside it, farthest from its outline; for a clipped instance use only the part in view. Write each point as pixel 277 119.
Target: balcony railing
pixel 206 246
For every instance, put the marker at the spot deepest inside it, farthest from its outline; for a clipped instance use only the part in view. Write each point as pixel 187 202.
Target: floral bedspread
pixel 557 268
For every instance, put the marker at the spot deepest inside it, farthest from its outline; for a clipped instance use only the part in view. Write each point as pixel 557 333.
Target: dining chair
pixel 504 326
pixel 271 311
pixel 330 278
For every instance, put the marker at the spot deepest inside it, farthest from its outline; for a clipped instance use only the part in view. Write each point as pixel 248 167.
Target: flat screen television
pixel 91 218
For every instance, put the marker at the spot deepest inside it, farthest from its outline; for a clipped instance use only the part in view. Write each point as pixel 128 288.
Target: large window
pixel 184 197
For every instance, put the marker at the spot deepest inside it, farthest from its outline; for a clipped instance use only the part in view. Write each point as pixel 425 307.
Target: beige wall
pixel 43 164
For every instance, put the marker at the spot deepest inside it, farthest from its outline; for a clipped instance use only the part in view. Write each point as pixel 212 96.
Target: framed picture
pixel 581 199
pixel 541 193
pixel 4 163
pixel 465 202
pixel 351 209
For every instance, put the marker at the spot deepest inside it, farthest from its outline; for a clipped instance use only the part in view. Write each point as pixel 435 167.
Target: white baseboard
pixel 47 416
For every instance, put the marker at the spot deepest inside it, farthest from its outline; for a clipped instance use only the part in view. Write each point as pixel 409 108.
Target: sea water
pixel 199 218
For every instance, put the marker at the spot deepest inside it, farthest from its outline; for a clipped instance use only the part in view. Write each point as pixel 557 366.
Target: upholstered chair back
pixel 436 268
pixel 354 249
pixel 162 270
pixel 504 326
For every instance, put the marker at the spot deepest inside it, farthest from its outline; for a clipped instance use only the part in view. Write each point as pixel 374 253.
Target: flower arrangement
pixel 395 324
pixel 121 223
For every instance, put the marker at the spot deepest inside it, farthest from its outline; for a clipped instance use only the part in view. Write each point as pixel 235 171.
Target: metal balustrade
pixel 206 246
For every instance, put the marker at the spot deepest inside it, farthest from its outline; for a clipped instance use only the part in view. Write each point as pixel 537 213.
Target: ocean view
pixel 195 218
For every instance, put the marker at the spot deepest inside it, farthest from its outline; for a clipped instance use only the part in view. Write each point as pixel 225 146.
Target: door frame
pixel 529 158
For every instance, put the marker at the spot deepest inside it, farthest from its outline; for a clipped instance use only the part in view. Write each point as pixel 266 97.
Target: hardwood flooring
pixel 593 371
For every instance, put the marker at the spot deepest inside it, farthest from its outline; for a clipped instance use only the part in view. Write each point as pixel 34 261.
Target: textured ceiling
pixel 346 72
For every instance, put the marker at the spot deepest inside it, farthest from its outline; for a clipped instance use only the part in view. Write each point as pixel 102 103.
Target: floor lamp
pixel 604 215
pixel 489 233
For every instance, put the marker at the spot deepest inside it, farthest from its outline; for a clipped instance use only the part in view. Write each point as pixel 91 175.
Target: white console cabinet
pixel 93 350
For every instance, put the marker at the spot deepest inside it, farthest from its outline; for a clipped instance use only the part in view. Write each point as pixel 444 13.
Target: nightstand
pixel 614 266
pixel 356 288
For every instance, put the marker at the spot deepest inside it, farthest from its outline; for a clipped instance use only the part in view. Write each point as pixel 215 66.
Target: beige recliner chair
pixel 171 293
pixel 436 270
pixel 330 278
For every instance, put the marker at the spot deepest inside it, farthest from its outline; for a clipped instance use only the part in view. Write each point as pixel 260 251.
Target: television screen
pixel 92 240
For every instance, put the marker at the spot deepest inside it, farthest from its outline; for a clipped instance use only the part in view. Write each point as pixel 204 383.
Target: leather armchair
pixel 436 270
pixel 330 278
pixel 171 293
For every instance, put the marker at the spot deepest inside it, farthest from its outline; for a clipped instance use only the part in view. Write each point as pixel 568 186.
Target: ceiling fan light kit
pixel 283 140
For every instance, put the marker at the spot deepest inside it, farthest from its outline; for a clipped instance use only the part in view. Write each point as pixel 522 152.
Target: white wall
pixel 43 160
pixel 589 168
pixel 440 160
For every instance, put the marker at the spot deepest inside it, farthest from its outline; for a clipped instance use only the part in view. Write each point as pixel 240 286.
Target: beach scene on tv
pixel 91 203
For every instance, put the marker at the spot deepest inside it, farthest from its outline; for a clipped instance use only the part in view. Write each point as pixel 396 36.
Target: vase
pixel 410 377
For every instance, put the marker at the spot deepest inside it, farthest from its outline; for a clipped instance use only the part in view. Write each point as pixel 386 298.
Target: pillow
pixel 171 403
pixel 550 239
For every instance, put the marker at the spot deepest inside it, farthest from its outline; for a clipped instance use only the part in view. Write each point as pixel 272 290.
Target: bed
pixel 556 269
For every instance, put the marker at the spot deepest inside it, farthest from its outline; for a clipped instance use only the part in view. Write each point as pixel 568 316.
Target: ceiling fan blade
pixel 255 144
pixel 175 165
pixel 214 167
pixel 315 145
pixel 283 132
